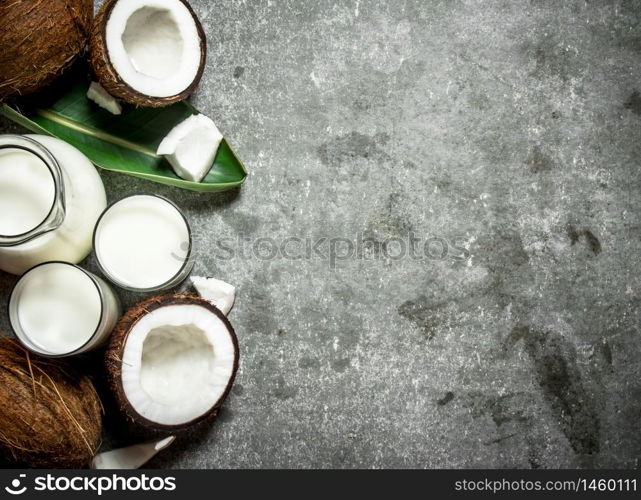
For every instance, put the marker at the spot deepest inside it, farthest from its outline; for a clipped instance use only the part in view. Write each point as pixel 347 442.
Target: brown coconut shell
pixel 50 415
pixel 39 39
pixel 109 78
pixel 115 349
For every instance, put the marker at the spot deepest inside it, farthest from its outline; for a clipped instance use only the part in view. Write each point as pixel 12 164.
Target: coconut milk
pixel 143 242
pixel 27 191
pixel 58 309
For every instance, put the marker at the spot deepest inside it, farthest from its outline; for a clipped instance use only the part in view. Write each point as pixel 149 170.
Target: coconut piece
pixel 191 146
pixel 39 41
pixel 130 457
pixel 104 99
pixel 219 293
pixel 171 362
pixel 146 52
pixel 50 415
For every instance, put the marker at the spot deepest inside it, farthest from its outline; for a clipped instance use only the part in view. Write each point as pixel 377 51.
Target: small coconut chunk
pixel 219 293
pixel 102 98
pixel 191 147
pixel 130 457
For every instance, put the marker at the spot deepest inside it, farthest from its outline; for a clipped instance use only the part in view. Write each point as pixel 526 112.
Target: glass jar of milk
pixel 50 199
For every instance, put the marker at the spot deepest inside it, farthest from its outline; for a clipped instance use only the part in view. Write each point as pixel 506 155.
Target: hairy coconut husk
pixel 50 415
pixel 39 40
pixel 110 79
pixel 114 355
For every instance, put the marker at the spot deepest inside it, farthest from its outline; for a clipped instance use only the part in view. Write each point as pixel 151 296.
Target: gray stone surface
pixel 508 132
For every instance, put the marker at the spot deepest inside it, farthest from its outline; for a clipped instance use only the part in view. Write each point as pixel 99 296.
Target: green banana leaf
pixel 125 143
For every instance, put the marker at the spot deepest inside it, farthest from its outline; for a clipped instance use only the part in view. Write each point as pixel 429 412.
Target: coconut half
pixel 171 362
pixel 148 52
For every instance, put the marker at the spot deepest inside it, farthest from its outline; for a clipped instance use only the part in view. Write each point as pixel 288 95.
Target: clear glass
pixel 187 260
pixel 57 212
pixel 110 312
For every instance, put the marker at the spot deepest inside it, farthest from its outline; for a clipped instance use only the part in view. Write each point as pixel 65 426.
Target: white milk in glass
pixel 143 242
pixel 57 309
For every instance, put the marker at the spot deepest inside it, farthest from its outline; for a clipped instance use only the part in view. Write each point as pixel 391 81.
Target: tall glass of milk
pixel 50 199
pixel 143 243
pixel 59 309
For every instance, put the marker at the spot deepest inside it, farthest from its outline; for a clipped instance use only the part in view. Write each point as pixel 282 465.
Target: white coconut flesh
pixel 153 45
pixel 218 292
pixel 177 363
pixel 102 98
pixel 130 457
pixel 191 146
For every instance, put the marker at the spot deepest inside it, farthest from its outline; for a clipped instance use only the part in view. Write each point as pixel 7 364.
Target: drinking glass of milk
pixel 59 309
pixel 50 199
pixel 143 243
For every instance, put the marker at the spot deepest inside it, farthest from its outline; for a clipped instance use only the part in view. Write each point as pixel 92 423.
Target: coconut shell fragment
pixel 50 415
pixel 171 362
pixel 39 40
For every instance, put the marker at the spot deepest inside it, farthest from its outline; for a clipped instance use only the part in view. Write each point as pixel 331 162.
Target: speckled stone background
pixel 505 135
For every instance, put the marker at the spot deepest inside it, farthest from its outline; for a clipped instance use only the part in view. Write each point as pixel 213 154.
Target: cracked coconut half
pixel 172 361
pixel 148 52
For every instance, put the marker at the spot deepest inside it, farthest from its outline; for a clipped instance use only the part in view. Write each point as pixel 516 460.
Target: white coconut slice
pixel 171 361
pixel 191 147
pixel 104 99
pixel 219 293
pixel 130 457
pixel 148 52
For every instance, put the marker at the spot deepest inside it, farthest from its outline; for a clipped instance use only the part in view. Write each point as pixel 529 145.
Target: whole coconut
pixel 39 40
pixel 50 416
